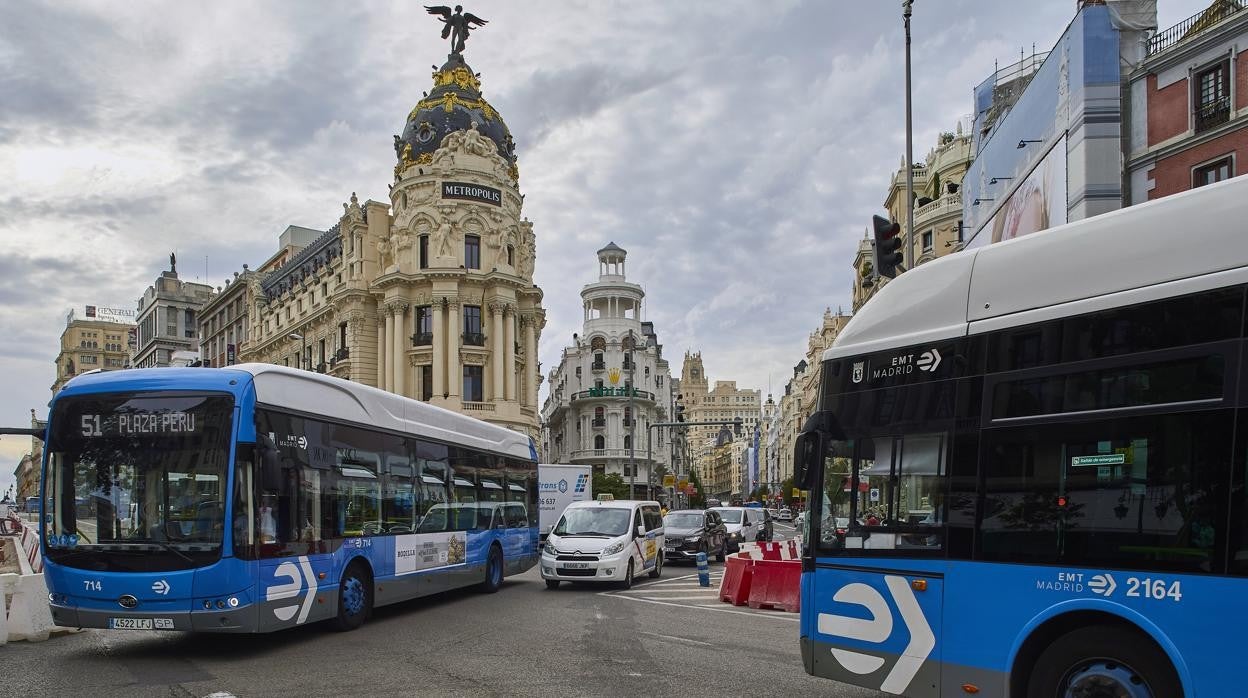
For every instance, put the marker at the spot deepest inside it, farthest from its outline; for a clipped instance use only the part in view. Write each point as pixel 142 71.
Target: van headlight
pixel 549 549
pixel 613 548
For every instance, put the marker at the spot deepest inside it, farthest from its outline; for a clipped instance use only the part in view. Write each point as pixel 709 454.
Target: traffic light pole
pixel 736 425
pixel 905 13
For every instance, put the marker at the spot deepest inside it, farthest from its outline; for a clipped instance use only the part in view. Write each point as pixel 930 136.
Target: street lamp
pixel 905 13
pixel 303 347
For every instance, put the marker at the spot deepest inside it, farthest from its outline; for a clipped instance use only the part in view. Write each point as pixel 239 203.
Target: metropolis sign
pixel 472 192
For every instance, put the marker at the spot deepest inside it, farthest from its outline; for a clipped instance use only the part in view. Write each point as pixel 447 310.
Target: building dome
pixel 454 103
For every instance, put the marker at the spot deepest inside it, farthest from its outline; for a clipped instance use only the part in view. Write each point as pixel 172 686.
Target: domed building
pixel 430 294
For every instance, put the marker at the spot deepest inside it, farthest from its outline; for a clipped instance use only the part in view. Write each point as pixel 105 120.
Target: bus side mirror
pixel 807 455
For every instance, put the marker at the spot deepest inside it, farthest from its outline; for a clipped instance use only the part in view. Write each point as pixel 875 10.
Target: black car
pixel 688 532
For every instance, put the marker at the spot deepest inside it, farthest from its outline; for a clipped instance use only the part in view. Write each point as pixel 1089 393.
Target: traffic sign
pixel 682 484
pixel 669 480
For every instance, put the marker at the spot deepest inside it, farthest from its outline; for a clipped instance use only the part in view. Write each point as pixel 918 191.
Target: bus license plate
pixel 576 565
pixel 140 623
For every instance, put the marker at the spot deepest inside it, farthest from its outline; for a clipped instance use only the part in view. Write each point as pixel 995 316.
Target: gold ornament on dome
pixel 459 76
pixel 449 100
pixel 514 172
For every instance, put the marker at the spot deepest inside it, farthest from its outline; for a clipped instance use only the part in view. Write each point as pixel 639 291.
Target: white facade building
pixel 611 385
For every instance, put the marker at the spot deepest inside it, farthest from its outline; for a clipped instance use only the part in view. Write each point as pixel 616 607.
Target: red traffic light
pixel 888 255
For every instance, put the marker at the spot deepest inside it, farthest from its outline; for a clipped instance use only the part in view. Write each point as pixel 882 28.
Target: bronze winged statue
pixel 458 24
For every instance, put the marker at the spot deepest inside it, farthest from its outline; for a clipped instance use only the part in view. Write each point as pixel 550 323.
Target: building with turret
pixel 723 403
pixel 430 293
pixel 167 319
pixel 611 385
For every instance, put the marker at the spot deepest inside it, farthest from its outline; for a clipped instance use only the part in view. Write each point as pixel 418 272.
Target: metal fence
pixel 1196 24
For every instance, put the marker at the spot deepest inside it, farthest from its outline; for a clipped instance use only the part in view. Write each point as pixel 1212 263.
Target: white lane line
pixel 670 590
pixel 702 597
pixel 679 639
pixel 755 614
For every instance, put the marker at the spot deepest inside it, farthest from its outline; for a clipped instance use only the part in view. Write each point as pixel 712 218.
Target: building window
pixel 424 251
pixel 426 382
pixel 927 241
pixel 473 384
pixel 511 256
pixel 342 335
pixel 600 442
pixel 628 416
pixel 1212 96
pixel 321 345
pixel 1216 171
pixel 472 326
pixel 628 441
pixel 424 326
pixel 472 251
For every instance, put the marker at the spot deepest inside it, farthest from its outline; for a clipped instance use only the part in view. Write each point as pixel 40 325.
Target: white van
pixel 740 526
pixel 609 541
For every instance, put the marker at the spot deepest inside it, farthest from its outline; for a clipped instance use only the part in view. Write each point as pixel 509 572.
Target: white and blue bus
pixel 257 497
pixel 1028 466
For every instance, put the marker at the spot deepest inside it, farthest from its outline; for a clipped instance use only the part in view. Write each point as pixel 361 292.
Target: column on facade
pixel 509 351
pixel 499 351
pixel 381 350
pixel 439 349
pixel 399 358
pixel 455 335
pixel 530 360
pixel 388 344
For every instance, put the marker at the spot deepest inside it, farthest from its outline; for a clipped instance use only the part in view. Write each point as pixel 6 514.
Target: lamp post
pixel 303 347
pixel 632 419
pixel 905 14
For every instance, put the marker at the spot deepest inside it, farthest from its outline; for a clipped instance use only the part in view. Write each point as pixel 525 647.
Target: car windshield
pixel 137 482
pixel 594 521
pixel 730 515
pixel 685 520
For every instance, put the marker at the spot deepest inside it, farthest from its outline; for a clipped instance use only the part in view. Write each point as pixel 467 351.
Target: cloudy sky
pixel 736 149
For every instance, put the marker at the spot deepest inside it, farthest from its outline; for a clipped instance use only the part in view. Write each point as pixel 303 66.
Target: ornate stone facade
pixel 430 295
pixel 723 403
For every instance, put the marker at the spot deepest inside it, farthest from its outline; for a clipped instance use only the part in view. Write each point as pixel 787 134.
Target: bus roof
pixel 1185 243
pixel 315 393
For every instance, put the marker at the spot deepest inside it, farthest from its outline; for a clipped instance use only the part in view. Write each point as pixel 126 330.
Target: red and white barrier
pixel 24 614
pixel 778 550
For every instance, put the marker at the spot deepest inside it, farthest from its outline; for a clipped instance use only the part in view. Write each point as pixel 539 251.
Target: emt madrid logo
pixel 301 579
pixel 874 624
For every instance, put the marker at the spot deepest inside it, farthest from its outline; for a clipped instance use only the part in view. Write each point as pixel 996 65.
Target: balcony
pixel 639 456
pixel 474 339
pixel 612 392
pixel 422 339
pixel 628 422
pixel 1214 113
pixel 342 354
pixel 1193 26
pixel 478 406
pixel 599 422
pixel 598 366
pixel 947 205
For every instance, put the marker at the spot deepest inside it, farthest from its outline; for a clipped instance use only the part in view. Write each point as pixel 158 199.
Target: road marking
pixel 680 639
pixel 776 615
pixel 670 590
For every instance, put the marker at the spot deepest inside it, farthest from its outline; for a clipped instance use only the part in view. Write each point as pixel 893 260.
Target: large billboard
pixel 1038 203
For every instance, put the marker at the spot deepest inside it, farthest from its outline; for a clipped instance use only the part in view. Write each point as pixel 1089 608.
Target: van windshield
pixel 730 515
pixel 596 521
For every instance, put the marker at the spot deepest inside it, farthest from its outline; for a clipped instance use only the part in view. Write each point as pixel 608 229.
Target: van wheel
pixel 658 566
pixel 493 571
pixel 628 576
pixel 355 598
pixel 552 583
pixel 1103 660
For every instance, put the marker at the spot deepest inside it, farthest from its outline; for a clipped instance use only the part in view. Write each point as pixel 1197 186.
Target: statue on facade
pixel 457 24
pixel 527 256
pixel 173 262
pixel 446 239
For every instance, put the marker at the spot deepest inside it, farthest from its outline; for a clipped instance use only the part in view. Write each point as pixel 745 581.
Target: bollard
pixel 704 571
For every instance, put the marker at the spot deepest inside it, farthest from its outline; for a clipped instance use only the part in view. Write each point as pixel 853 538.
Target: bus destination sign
pixel 139 424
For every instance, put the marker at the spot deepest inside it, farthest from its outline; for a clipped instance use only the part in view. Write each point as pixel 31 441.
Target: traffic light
pixel 888 255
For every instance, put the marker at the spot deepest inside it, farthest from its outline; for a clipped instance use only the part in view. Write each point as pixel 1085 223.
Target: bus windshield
pixel 137 482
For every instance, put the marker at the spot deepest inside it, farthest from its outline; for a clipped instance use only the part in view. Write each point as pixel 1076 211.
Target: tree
pixel 610 483
pixel 698 499
pixel 786 490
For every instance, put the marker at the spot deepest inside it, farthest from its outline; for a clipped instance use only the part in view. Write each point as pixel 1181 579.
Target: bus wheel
pixel 493 571
pixel 658 567
pixel 355 597
pixel 1103 661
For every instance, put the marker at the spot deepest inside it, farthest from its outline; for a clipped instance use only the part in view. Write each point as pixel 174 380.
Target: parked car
pixel 762 523
pixel 740 526
pixel 604 541
pixel 785 515
pixel 690 531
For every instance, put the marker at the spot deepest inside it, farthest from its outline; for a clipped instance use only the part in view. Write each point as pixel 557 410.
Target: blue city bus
pixel 256 497
pixel 1028 463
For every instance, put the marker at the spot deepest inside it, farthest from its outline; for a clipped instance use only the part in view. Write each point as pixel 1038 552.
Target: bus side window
pixel 244 524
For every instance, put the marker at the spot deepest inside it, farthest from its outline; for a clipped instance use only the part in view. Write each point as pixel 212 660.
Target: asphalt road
pixel 669 637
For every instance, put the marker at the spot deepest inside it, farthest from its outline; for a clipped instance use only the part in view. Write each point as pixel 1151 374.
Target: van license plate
pixel 576 565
